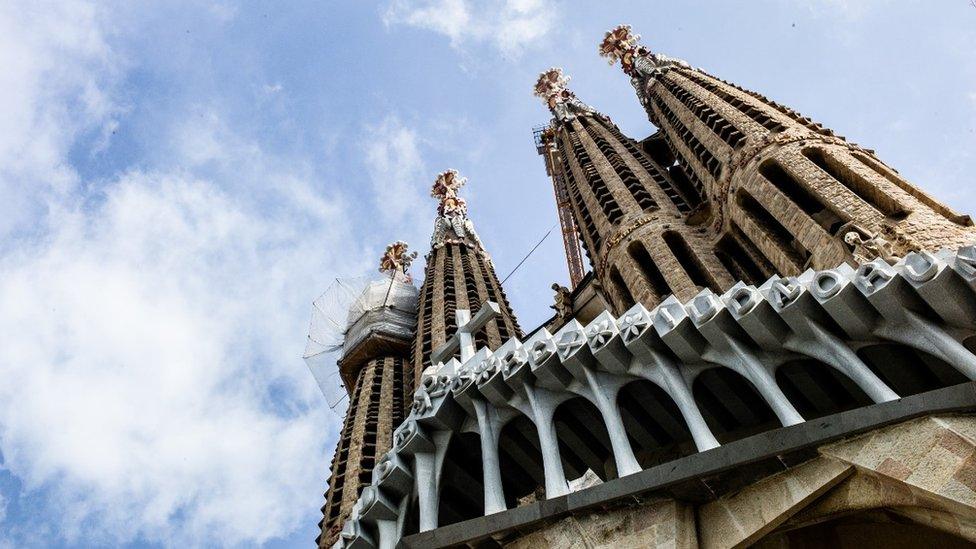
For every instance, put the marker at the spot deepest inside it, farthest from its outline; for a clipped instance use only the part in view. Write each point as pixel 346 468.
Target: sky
pixel 179 180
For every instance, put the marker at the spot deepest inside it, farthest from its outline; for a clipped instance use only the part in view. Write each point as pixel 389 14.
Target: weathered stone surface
pixel 665 524
pixel 932 456
pixel 741 518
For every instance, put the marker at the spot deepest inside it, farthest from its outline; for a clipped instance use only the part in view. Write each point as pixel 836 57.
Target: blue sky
pixel 179 180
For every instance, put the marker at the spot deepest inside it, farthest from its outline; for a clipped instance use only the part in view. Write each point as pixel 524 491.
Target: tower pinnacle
pixel 396 261
pixel 552 88
pixel 452 225
pixel 621 44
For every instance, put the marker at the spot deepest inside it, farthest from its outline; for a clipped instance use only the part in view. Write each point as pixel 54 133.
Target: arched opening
pixel 654 424
pixel 462 481
pixel 797 192
pixel 895 179
pixel 772 229
pixel 872 529
pixel 816 389
pixel 856 183
pixel 970 344
pixel 731 406
pixel 584 442
pixel 690 261
pixel 649 269
pixel 520 460
pixel 624 297
pixel 908 371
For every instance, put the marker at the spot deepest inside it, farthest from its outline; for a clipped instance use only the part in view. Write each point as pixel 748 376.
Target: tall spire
pixel 459 275
pixel 552 88
pixel 452 225
pixel 376 370
pixel 786 194
pixel 625 205
pixel 621 44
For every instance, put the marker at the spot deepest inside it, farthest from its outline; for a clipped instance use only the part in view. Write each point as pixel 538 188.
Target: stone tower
pixel 785 193
pixel 633 214
pixel 376 370
pixel 459 275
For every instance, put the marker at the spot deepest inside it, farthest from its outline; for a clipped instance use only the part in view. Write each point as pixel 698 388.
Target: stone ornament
pixel 396 260
pixel 621 44
pixel 452 225
pixel 552 88
pixel 563 301
pixel 866 250
pixel 881 314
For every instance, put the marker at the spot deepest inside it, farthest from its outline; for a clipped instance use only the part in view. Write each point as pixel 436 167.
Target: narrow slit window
pixel 649 269
pixel 857 184
pixel 690 261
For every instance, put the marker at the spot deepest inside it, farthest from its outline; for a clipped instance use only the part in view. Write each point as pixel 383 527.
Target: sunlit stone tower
pixel 789 358
pixel 459 275
pixel 376 370
pixel 788 191
pixel 632 212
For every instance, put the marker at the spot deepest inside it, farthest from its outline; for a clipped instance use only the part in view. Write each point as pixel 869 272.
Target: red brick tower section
pixel 631 212
pixel 377 372
pixel 783 189
pixel 459 275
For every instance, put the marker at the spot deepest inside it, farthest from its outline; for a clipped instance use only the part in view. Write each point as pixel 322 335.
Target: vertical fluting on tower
pixel 377 373
pixel 632 214
pixel 459 275
pixel 784 189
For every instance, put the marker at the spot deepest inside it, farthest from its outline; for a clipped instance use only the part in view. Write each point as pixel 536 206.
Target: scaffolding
pixel 571 243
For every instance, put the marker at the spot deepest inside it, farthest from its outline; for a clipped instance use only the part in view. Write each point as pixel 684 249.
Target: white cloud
pixel 151 326
pixel 397 173
pixel 138 349
pixel 55 84
pixel 508 25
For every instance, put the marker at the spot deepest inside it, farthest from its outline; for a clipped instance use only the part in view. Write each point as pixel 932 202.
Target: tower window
pixel 649 269
pixel 919 195
pixel 622 290
pixel 743 261
pixel 690 261
pixel 857 184
pixel 772 229
pixel 798 193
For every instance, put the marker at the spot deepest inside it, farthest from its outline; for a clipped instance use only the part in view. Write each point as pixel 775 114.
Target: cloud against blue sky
pixel 179 180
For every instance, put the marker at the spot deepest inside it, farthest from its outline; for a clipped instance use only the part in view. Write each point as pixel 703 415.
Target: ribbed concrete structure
pixel 632 213
pixel 789 192
pixel 825 399
pixel 459 275
pixel 376 407
pixel 377 373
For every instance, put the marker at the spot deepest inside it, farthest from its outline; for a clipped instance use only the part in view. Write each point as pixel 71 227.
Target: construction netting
pixel 346 313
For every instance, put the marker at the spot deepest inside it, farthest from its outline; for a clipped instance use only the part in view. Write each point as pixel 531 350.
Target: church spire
pixel 459 275
pixel 621 44
pixel 552 88
pixel 787 193
pixel 625 205
pixel 452 225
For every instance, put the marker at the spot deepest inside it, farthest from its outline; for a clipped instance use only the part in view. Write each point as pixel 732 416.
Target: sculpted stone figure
pixel 564 301
pixel 867 250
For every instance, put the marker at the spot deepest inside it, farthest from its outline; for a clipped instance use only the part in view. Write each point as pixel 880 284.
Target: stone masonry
pixel 786 189
pixel 633 214
pixel 459 275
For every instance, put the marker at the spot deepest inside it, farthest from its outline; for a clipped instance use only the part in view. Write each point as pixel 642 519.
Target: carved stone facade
pixel 910 485
pixel 633 215
pixel 459 275
pixel 788 359
pixel 785 190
